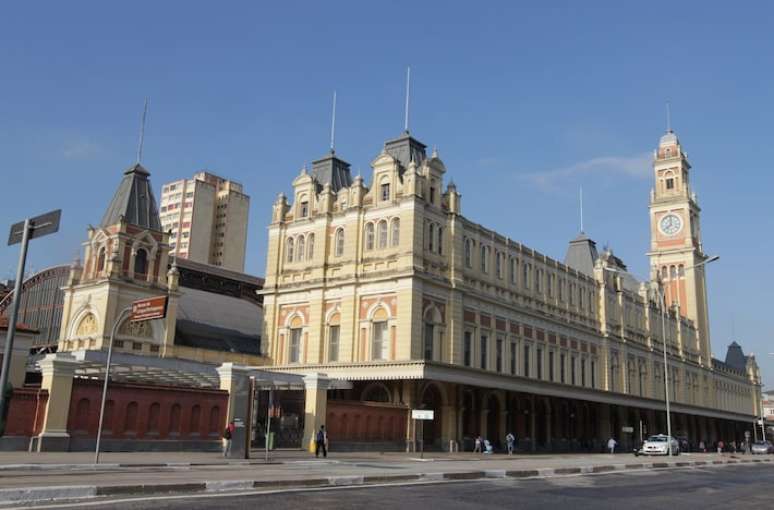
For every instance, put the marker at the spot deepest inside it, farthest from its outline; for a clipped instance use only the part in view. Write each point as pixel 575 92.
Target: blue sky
pixel 525 104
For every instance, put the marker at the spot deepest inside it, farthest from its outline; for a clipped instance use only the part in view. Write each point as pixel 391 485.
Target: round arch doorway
pixel 431 429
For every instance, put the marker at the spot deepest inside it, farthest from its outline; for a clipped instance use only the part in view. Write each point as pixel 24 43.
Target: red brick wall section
pixel 26 411
pixel 147 412
pixel 356 421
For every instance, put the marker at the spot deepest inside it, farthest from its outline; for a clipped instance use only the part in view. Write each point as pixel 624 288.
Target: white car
pixel 659 445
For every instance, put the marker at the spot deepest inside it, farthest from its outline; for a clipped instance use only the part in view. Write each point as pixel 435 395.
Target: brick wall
pixel 357 421
pixel 26 411
pixel 135 411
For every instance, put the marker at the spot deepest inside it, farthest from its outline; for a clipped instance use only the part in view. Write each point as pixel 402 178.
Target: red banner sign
pixel 149 309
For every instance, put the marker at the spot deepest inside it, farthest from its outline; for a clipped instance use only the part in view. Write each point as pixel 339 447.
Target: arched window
pixel 432 319
pixel 468 253
pixel 101 261
pixel 295 345
pixel 196 414
pixel 333 337
pixel 498 265
pixel 440 240
pixel 300 248
pixel 215 421
pixel 672 272
pixel 395 235
pixel 130 420
pixel 369 236
pixel 430 236
pixel 82 415
pixel 383 234
pixel 485 258
pixel 289 250
pixel 339 243
pixel 141 263
pixel 310 247
pixel 153 418
pixel 379 343
pixel 174 420
pixel 107 423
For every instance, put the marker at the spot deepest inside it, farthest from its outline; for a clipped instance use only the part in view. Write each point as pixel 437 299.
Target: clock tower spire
pixel 675 233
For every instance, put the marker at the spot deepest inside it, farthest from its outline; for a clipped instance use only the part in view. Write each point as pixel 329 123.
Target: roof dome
pixel 670 138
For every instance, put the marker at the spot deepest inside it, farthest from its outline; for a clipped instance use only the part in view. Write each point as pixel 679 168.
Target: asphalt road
pixel 734 487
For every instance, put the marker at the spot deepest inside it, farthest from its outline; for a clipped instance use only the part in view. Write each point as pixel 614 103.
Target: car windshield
pixel 761 443
pixel 657 439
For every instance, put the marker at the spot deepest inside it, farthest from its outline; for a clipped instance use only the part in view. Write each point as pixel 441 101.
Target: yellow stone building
pixel 389 286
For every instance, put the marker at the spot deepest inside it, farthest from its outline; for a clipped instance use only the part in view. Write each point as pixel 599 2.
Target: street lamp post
pixel 662 295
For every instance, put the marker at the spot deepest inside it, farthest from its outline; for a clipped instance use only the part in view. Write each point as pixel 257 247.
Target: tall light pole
pixel 662 304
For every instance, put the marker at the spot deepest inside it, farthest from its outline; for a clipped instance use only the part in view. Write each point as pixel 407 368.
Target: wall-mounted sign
pixel 421 414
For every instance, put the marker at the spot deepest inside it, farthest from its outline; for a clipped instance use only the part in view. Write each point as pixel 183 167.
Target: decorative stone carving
pixel 140 329
pixel 87 326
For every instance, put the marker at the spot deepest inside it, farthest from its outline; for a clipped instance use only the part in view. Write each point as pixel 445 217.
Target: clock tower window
pixel 670 183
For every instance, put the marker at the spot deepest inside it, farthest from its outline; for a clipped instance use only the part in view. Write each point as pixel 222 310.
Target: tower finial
pixel 142 131
pixel 408 94
pixel 669 116
pixel 333 125
pixel 581 209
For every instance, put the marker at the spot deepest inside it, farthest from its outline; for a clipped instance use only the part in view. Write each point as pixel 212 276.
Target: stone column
pixel 483 422
pixel 235 380
pixel 448 426
pixel 533 422
pixel 57 371
pixel 605 428
pixel 315 405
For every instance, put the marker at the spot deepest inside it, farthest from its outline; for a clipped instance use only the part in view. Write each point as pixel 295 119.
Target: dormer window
pixel 304 210
pixel 385 192
pixel 140 263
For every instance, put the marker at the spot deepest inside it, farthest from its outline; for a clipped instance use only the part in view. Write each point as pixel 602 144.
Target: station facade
pixel 389 286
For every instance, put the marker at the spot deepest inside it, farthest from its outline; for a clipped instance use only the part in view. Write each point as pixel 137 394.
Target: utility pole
pixel 22 232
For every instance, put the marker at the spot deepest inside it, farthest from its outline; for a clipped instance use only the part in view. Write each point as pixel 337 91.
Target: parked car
pixel 659 445
pixel 762 447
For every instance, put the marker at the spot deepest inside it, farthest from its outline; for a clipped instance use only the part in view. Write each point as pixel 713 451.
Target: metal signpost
pixel 140 310
pixel 421 415
pixel 22 232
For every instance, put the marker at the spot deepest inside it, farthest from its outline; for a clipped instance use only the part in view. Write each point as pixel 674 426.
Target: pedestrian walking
pixel 228 433
pixel 478 445
pixel 611 444
pixel 321 442
pixel 702 448
pixel 509 440
pixel 720 446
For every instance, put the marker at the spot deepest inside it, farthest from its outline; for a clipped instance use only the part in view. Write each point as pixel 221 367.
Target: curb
pixel 39 494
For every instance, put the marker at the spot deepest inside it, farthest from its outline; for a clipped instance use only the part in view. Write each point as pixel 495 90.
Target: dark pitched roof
pixel 134 201
pixel 206 336
pixel 582 254
pixel 406 149
pixel 735 358
pixel 332 170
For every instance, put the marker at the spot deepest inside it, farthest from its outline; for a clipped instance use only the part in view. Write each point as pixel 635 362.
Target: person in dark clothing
pixel 321 442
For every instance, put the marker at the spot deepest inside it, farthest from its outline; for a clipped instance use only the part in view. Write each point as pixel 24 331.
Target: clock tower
pixel 675 234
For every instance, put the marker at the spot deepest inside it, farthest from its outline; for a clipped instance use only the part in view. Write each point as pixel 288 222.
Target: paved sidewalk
pixel 157 469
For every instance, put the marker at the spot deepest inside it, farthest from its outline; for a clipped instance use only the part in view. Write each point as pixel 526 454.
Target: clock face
pixel 670 224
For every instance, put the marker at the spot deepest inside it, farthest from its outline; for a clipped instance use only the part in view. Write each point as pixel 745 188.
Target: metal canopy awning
pixel 137 369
